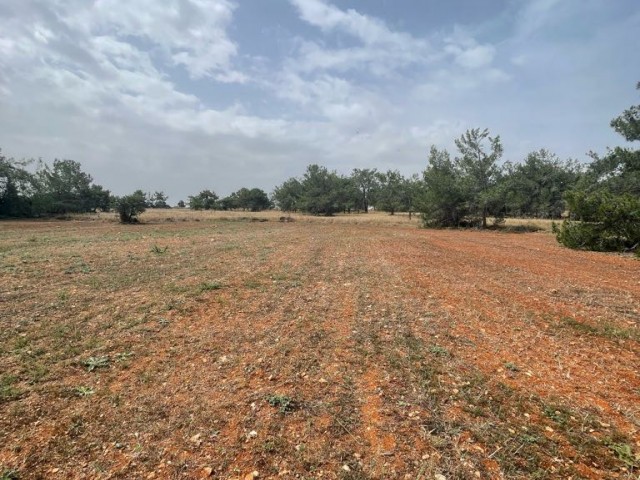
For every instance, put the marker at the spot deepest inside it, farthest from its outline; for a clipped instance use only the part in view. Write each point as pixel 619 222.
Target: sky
pixel 185 95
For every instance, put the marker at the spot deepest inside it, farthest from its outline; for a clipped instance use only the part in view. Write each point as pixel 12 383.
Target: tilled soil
pixel 230 349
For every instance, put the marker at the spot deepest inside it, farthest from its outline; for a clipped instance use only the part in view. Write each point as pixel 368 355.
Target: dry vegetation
pixel 201 345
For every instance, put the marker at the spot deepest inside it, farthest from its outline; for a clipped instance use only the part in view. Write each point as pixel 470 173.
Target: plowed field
pixel 228 348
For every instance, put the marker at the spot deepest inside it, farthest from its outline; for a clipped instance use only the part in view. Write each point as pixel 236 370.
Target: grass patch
pixel 284 403
pixel 8 391
pixel 606 330
pixel 209 286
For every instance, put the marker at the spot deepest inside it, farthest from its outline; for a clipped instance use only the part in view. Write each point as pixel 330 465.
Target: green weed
pixel 93 363
pixel 284 403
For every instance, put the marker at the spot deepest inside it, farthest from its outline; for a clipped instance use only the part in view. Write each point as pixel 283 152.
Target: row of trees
pixel 603 198
pixel 254 200
pixel 452 192
pixel 58 189
pixel 323 192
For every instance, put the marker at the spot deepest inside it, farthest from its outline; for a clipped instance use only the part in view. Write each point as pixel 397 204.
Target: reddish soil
pixel 314 350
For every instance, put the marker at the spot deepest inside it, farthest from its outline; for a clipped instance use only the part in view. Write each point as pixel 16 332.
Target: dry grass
pixel 210 345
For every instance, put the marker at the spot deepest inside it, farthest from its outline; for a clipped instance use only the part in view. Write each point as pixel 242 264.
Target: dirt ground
pixel 244 347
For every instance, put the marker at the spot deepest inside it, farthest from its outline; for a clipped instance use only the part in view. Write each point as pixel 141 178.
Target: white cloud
pixel 190 33
pixel 382 51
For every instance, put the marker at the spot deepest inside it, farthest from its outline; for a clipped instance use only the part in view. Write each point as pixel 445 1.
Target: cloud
pixel 382 50
pixel 190 33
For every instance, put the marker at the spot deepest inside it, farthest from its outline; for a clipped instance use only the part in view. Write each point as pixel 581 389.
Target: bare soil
pixel 222 347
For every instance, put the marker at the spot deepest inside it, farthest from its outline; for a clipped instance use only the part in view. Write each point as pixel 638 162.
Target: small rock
pixel 252 434
pixel 346 468
pixel 208 471
pixel 323 380
pixel 195 438
pixel 439 476
pixel 252 475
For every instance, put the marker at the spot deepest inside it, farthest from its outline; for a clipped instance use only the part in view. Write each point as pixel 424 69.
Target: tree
pixel 443 202
pixel 480 172
pixel 255 200
pixel 605 203
pixel 536 187
pixel 392 194
pixel 65 188
pixel 205 200
pixel 288 195
pixel 366 181
pixel 157 200
pixel 322 191
pixel 181 204
pixel 17 186
pixel 628 123
pixel 130 206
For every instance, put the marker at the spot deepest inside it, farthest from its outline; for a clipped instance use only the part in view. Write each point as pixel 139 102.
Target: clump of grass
pixel 284 403
pixel 159 250
pixel 606 330
pixel 625 454
pixel 93 363
pixel 511 367
pixel 7 389
pixel 83 391
pixel 9 474
pixel 439 351
pixel 209 286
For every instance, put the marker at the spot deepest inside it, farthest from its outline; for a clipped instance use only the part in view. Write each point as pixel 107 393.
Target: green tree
pixel 17 186
pixel 256 200
pixel 205 200
pixel 605 204
pixel 366 182
pixel 130 206
pixel 480 172
pixel 628 123
pixel 287 196
pixel 157 200
pixel 443 202
pixel 392 194
pixel 322 191
pixel 536 187
pixel 65 188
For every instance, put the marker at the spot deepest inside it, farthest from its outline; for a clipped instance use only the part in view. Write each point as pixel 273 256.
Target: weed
pixel 208 286
pixel 7 390
pixel 93 363
pixel 159 250
pixel 284 403
pixel 439 351
pixel 83 391
pixel 607 330
pixel 79 267
pixel 9 474
pixel 123 356
pixel 625 454
pixel 511 366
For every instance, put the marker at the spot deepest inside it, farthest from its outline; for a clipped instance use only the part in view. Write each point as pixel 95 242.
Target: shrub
pixel 130 206
pixel 608 222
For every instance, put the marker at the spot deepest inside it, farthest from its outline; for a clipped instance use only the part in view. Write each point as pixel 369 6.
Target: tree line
pixel 600 201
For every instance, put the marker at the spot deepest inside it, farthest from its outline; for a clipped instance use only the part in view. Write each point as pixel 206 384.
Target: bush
pixel 130 206
pixel 608 222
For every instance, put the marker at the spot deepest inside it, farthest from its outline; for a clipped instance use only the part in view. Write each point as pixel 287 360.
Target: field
pixel 357 347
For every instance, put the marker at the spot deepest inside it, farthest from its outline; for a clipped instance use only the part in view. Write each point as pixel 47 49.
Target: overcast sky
pixel 183 95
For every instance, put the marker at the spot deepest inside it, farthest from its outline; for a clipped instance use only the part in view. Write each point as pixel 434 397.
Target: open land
pixel 360 347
